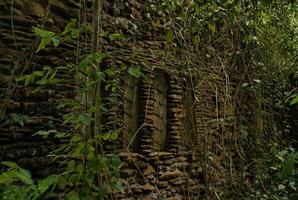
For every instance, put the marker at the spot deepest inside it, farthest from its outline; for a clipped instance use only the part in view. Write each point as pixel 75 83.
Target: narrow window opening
pixel 130 110
pixel 189 122
pixel 160 109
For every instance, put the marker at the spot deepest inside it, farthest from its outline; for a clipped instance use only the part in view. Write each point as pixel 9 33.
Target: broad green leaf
pixel 84 119
pixel 135 71
pixel 111 71
pixel 294 100
pixel 70 26
pixel 100 76
pixel 86 62
pixel 19 174
pixel 116 36
pixel 43 81
pixel 56 41
pixel 288 166
pixel 106 136
pixel 44 184
pixel 20 119
pixel 11 164
pixel 25 176
pixel 7 177
pixel 99 56
pixel 74 33
pixel 96 164
pixel 114 135
pixel 43 43
pixel 42 33
pixel 115 161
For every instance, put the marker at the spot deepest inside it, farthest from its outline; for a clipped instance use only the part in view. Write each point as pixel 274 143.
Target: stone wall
pixel 17 56
pixel 179 124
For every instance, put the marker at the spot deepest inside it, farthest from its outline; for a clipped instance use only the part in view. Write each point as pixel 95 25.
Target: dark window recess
pixel 135 101
pixel 130 109
pixel 160 110
pixel 189 122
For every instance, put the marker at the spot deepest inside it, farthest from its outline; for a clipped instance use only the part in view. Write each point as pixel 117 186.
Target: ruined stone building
pixel 179 129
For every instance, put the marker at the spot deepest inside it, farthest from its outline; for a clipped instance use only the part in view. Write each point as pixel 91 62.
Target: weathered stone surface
pixel 147 188
pixel 164 151
pixel 171 174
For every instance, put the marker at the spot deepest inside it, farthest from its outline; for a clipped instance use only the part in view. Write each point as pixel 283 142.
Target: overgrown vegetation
pixel 87 173
pixel 259 42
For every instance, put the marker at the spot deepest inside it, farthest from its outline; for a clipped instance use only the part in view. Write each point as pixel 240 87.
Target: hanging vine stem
pixel 96 96
pixel 28 58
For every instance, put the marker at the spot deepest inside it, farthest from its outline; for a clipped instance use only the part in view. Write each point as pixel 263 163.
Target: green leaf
pixel 24 176
pixel 294 100
pixel 288 166
pixel 100 76
pixel 86 62
pixel 244 85
pixel 114 135
pixel 45 134
pixel 115 161
pixel 75 138
pixel 20 119
pixel 197 39
pixel 106 136
pixel 44 184
pixel 117 187
pixel 30 78
pixel 56 41
pixel 102 192
pixel 74 33
pixel 116 36
pixel 43 43
pixel 73 196
pixel 61 182
pixel 70 26
pixel 61 135
pixel 42 33
pixel 211 27
pixel 135 71
pixel 112 99
pixel 7 177
pixel 15 173
pixel 74 179
pixel 96 164
pixel 99 56
pixel 11 164
pixel 84 119
pixel 170 36
pixel 110 71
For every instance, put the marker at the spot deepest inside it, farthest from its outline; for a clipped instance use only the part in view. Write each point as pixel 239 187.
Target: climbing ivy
pixel 87 173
